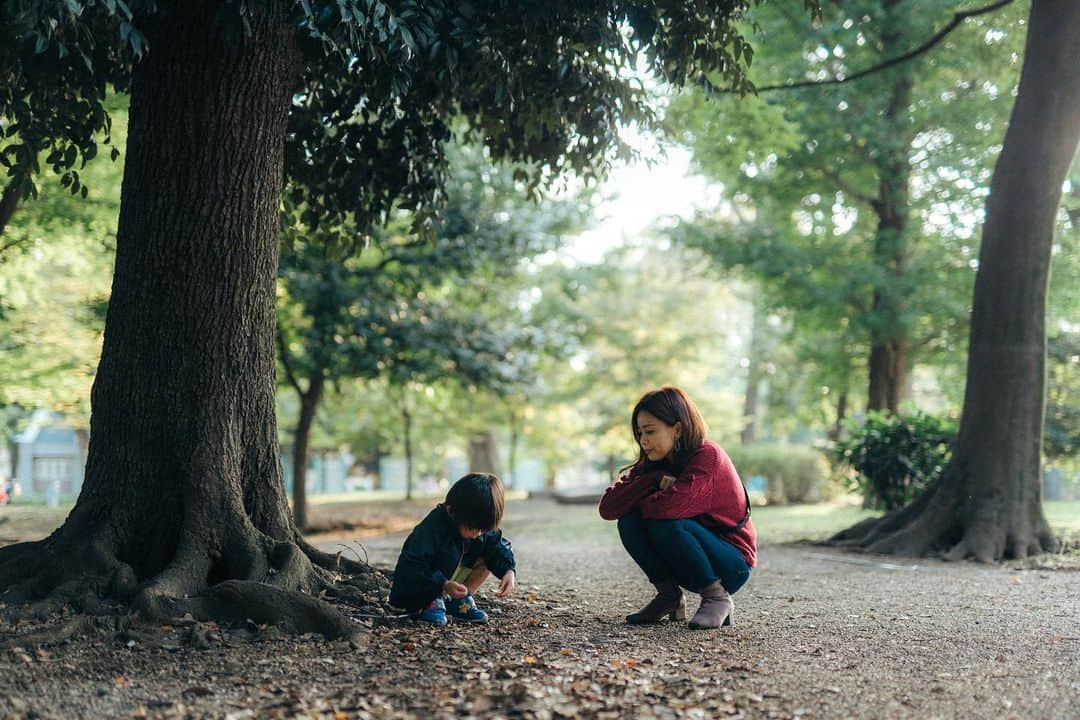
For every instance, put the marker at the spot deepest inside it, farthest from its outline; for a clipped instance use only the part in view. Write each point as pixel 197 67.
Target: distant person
pixel 684 515
pixel 453 550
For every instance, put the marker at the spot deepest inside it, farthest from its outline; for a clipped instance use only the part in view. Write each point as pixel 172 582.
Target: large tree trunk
pixel 183 489
pixel 987 504
pixel 888 338
pixel 309 403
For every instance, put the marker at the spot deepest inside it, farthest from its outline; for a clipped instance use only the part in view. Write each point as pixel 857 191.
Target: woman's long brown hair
pixel 670 405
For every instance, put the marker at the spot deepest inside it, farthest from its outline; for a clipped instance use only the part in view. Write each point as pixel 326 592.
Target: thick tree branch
pixel 936 38
pixel 846 187
pixel 286 365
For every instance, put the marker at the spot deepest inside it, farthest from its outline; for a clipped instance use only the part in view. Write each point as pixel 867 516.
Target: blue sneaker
pixel 435 613
pixel 465 609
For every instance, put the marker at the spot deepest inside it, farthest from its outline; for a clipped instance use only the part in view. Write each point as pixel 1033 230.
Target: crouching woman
pixel 683 513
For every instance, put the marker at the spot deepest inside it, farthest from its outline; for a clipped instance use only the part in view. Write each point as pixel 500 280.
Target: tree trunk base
pixel 937 524
pixel 285 584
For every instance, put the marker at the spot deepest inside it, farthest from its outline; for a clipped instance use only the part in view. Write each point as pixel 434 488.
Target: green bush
pixel 793 473
pixel 895 456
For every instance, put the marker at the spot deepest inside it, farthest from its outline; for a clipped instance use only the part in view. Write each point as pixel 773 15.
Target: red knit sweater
pixel 708 490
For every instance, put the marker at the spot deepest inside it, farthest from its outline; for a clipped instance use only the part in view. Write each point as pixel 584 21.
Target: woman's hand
pixel 667 481
pixel 506 584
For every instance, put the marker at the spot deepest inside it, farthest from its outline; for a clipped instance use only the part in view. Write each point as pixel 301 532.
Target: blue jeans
pixel 684 551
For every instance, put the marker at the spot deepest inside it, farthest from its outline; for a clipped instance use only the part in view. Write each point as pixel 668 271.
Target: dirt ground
pixel 818 634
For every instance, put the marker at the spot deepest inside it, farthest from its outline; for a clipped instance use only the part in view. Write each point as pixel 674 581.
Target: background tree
pixel 845 199
pixel 645 316
pixel 183 506
pixel 988 504
pixel 398 310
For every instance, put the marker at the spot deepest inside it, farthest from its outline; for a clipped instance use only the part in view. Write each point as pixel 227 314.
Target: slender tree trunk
pixel 183 488
pixel 9 201
pixel 988 503
pixel 309 403
pixel 406 420
pixel 888 336
pixel 753 376
pixel 515 423
pixel 841 415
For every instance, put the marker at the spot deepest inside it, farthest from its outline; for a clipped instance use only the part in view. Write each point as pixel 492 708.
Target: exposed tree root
pixel 256 579
pixel 937 523
pixel 53 634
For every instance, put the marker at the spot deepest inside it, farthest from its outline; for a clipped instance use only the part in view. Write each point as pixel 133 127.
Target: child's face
pixel 469 533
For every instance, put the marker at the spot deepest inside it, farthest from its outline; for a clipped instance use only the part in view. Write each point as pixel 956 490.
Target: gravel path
pixel 818 634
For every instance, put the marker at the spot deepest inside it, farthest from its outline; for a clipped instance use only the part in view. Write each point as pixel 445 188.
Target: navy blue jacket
pixel 432 553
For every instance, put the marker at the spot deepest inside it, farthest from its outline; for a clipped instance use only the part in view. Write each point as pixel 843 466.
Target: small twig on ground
pixel 361 546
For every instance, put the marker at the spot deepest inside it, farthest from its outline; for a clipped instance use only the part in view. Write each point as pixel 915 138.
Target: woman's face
pixel 656 437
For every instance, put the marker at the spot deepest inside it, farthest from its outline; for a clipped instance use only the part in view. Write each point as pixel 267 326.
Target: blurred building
pixel 50 456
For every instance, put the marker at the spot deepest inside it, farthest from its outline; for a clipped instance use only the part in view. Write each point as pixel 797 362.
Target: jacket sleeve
pixel 417 580
pixel 699 488
pixel 627 494
pixel 498 554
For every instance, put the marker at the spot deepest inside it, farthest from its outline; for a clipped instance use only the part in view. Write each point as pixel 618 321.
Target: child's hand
pixel 455 589
pixel 506 585
pixel 666 482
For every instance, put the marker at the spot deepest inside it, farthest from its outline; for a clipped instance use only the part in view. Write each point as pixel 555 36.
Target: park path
pixel 818 634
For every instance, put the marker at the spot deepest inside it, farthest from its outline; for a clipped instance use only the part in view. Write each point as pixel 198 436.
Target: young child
pixel 452 551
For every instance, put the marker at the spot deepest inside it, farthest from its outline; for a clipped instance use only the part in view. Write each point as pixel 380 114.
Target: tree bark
pixel 988 503
pixel 183 488
pixel 888 337
pixel 309 404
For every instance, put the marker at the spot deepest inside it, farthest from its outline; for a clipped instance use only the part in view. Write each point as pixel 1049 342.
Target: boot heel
pixel 678 614
pixel 729 620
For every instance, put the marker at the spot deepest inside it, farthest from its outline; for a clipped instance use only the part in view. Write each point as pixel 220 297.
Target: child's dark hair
pixel 476 501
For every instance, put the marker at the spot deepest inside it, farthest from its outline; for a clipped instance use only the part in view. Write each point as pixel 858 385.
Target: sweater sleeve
pixel 417 580
pixel 693 491
pixel 498 554
pixel 627 494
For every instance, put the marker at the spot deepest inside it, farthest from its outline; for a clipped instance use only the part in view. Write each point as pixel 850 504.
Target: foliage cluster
pixel 895 456
pixel 793 473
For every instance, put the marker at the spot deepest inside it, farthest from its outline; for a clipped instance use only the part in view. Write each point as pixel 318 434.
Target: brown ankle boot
pixel 716 607
pixel 668 601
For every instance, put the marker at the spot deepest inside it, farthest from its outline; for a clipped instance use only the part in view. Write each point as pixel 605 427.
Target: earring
pixel 678 445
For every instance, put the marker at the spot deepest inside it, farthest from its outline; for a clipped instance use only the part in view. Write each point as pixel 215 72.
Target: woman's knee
pixel 631 522
pixel 735 580
pixel 663 531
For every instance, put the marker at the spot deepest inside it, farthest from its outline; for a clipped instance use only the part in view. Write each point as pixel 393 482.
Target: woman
pixel 684 515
